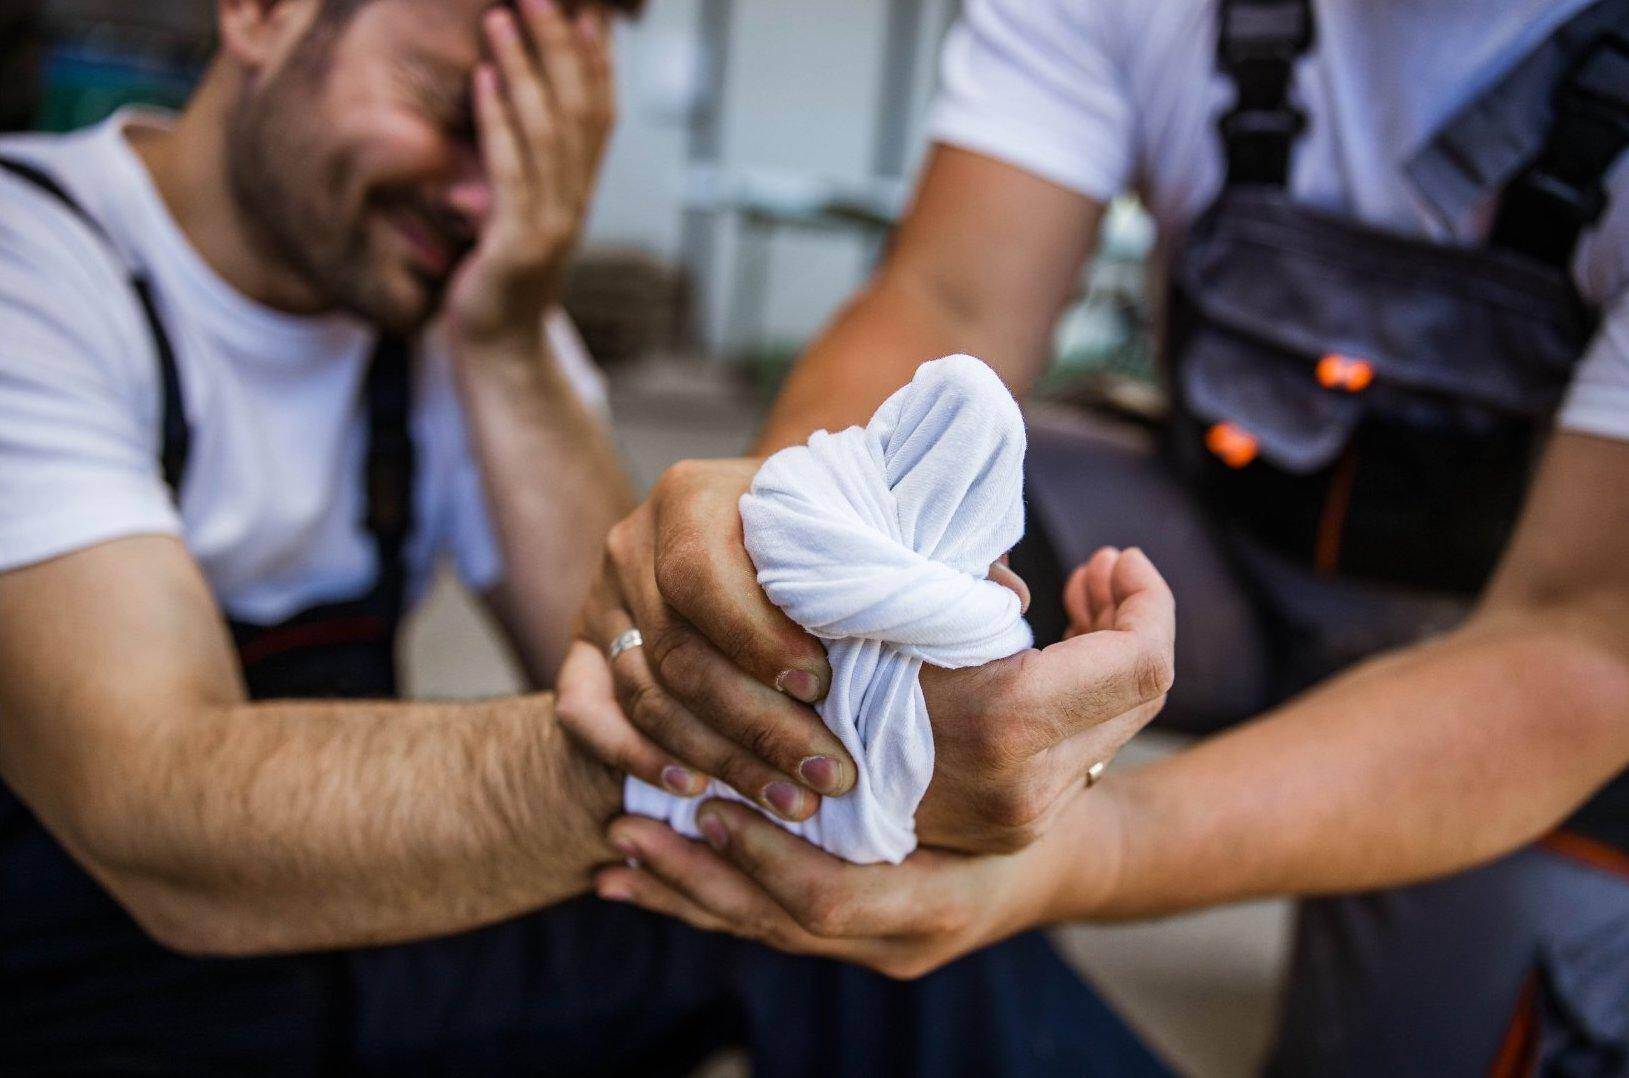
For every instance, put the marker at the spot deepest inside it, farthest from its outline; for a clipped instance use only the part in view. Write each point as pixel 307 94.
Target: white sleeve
pixel 1598 400
pixel 471 540
pixel 78 442
pixel 1038 84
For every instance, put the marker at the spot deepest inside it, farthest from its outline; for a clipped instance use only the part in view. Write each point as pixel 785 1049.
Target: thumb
pixel 1098 675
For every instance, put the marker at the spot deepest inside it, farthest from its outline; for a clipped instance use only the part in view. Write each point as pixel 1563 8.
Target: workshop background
pixel 765 150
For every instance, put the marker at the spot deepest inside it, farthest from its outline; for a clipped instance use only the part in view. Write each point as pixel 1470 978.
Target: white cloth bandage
pixel 877 540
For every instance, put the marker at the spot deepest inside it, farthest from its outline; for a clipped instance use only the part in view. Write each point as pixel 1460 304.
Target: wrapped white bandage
pixel 877 540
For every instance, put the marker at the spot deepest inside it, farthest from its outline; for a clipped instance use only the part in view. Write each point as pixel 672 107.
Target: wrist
pixel 1085 856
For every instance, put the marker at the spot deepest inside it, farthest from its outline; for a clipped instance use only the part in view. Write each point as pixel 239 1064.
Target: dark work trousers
pixel 1435 979
pixel 591 988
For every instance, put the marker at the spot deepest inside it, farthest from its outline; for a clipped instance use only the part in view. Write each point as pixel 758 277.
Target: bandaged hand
pixel 1010 738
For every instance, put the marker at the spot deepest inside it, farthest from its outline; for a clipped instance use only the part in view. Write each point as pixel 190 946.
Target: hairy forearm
pixel 555 486
pixel 289 826
pixel 1409 767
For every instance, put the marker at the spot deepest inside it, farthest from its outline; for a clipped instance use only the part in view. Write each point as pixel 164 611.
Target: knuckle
pixel 764 741
pixel 1017 807
pixel 680 657
pixel 823 914
pixel 651 710
pixel 619 541
pixel 1154 673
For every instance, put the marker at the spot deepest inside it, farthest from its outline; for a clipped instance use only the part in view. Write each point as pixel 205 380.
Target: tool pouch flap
pixel 1265 290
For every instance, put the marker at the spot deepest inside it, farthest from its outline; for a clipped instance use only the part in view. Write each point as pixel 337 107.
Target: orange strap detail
pixel 1587 851
pixel 1336 371
pixel 1232 443
pixel 1518 1050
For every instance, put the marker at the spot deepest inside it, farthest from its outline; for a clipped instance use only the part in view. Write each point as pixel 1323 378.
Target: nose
pixel 470 193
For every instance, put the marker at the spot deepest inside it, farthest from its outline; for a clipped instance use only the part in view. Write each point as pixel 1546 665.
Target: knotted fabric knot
pixel 877 540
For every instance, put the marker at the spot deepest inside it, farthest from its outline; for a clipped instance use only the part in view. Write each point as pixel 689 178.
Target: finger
pixel 1076 604
pixel 1001 573
pixel 500 147
pixel 766 725
pixel 706 576
pixel 586 705
pixel 1099 589
pixel 709 883
pixel 644 890
pixel 826 896
pixel 561 49
pixel 595 28
pixel 523 84
pixel 1097 676
pixel 672 726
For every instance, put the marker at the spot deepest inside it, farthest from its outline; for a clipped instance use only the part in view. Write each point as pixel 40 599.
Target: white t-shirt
pixel 1104 96
pixel 273 492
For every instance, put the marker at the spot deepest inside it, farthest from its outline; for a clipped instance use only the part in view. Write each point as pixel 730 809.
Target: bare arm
pixel 555 486
pixel 983 263
pixel 233 828
pixel 1421 762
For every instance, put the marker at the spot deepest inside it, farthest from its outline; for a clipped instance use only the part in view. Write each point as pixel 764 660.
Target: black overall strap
pixel 390 466
pixel 1258 44
pixel 175 432
pixel 1548 206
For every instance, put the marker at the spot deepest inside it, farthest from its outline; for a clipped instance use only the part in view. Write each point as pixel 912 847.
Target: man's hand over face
pixel 544 107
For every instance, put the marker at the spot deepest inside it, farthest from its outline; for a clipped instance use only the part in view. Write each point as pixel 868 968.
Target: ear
pixel 256 32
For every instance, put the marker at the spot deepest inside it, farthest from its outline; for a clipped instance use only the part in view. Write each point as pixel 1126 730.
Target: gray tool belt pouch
pixel 1463 355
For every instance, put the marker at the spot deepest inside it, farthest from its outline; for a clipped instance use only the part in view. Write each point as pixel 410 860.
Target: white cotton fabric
pixel 877 540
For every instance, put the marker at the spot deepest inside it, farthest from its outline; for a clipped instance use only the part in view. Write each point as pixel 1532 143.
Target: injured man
pixel 265 364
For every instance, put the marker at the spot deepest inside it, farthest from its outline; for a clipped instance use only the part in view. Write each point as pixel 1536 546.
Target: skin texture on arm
pixel 233 828
pixel 983 263
pixel 1421 762
pixel 1415 765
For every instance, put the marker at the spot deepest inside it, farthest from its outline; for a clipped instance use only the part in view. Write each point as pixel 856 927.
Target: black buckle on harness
pixel 1562 193
pixel 1275 31
pixel 1262 123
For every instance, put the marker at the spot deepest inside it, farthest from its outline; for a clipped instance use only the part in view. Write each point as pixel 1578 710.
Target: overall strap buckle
pixel 1563 192
pixel 1259 42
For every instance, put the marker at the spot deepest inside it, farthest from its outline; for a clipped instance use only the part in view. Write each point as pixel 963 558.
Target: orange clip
pixel 1336 371
pixel 1232 443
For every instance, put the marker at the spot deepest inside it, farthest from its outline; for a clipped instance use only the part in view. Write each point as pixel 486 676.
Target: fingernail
pixel 714 831
pixel 628 850
pixel 677 780
pixel 799 684
pixel 820 772
pixel 615 892
pixel 784 798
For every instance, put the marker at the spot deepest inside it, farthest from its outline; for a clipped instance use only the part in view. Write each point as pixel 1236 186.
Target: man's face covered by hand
pixel 355 161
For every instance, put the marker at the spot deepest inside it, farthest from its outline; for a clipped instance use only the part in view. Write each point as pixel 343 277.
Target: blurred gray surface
pixel 1201 988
